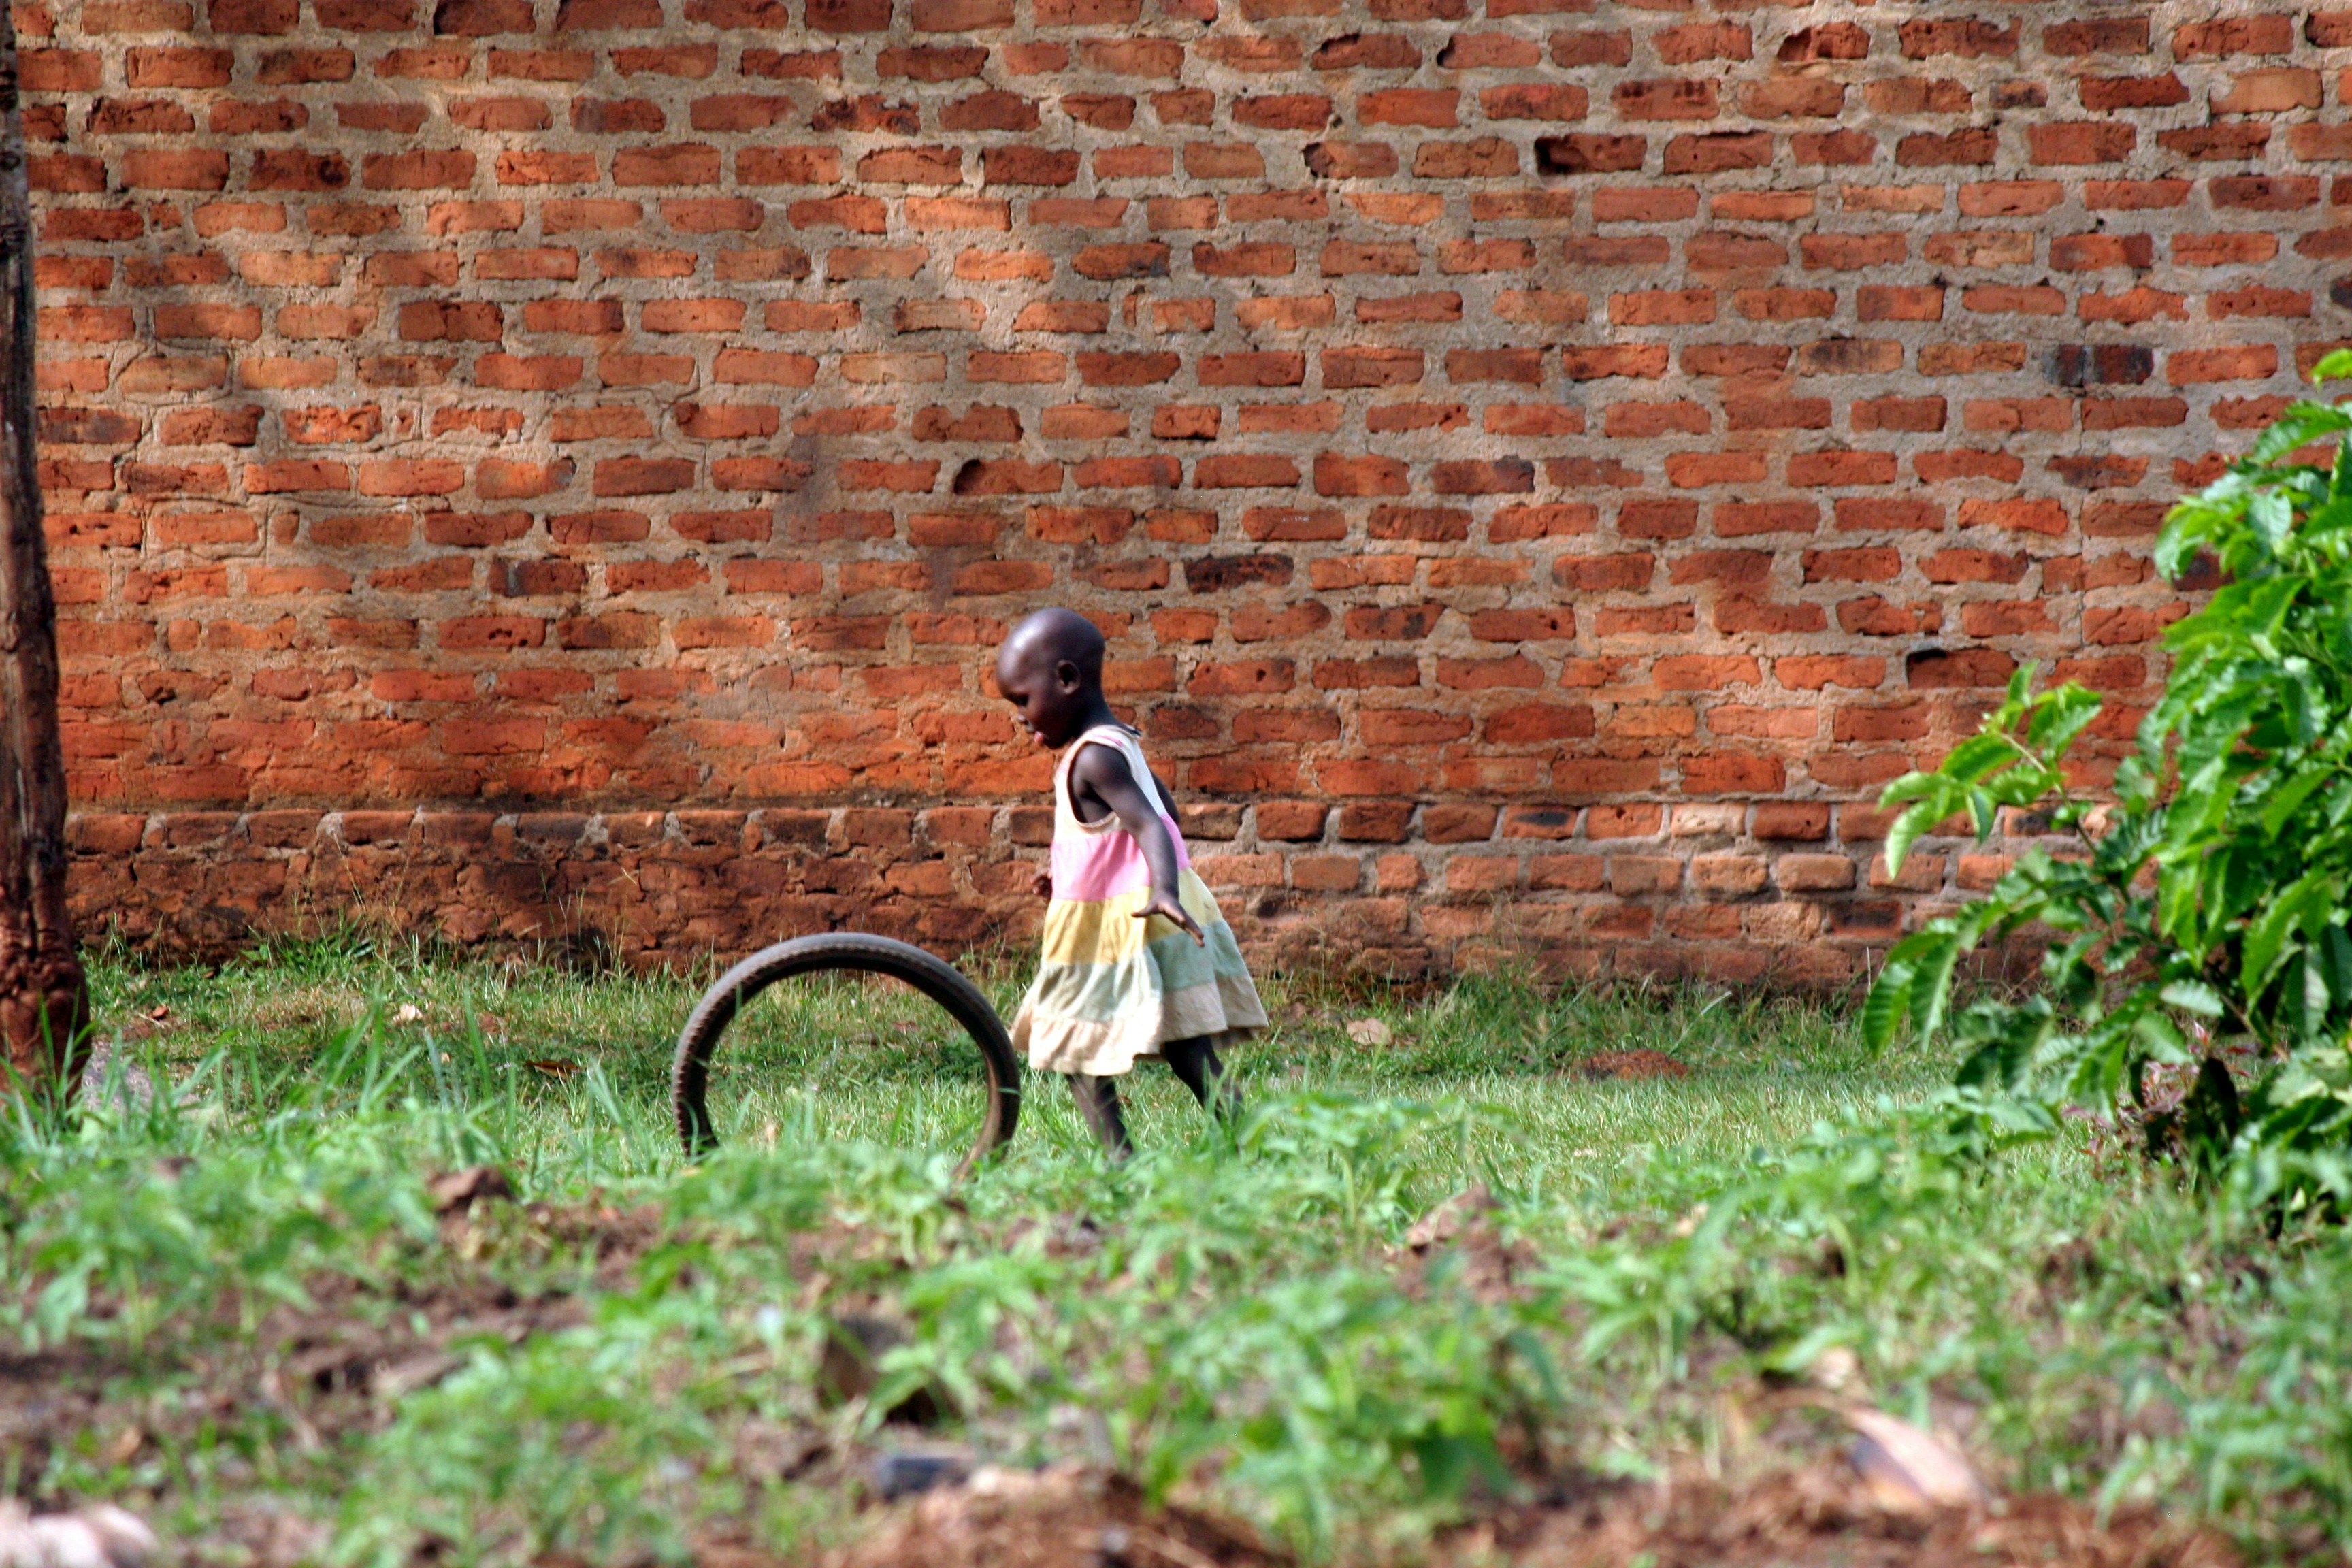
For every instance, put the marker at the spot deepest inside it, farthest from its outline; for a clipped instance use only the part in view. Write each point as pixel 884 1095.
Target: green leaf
pixel 1904 833
pixel 2062 715
pixel 2161 1036
pixel 2193 997
pixel 1889 1000
pixel 1931 987
pixel 2186 528
pixel 2273 516
pixel 2313 892
pixel 1979 755
pixel 1910 786
pixel 1937 796
pixel 1984 812
pixel 2288 798
pixel 2298 427
pixel 2334 366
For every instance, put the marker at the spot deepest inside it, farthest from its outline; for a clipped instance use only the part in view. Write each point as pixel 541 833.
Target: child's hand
pixel 1165 904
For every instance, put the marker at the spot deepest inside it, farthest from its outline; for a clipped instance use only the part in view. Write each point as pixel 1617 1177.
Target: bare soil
pixel 1633 1065
pixel 1814 1518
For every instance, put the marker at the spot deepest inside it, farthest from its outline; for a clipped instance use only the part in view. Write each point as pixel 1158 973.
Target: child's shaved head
pixel 1050 669
pixel 1054 635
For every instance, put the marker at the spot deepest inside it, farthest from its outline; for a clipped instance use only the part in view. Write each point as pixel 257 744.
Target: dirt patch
pixel 1460 1235
pixel 334 1363
pixel 1060 1518
pixel 1631 1066
pixel 1821 1515
pixel 1070 1518
pixel 45 1398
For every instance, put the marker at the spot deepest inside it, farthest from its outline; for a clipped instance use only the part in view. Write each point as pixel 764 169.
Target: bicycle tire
pixel 859 953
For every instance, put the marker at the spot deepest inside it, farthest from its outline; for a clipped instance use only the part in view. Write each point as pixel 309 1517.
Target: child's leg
pixel 1099 1103
pixel 1197 1063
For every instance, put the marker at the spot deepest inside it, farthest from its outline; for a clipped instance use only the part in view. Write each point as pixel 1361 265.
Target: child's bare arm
pixel 1107 777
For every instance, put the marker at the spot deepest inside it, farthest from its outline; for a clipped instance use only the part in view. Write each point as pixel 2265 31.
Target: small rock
pixel 101 1536
pixel 1002 1481
pixel 408 1013
pixel 1837 1369
pixel 134 1090
pixel 454 1191
pixel 909 1472
pixel 1370 1032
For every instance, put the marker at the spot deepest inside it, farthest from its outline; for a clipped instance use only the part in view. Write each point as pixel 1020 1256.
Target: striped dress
pixel 1111 988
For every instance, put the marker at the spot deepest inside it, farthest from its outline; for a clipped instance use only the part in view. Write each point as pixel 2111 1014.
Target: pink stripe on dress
pixel 1101 860
pixel 1104 865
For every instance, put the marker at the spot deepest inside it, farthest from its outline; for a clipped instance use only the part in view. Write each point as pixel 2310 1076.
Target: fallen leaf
pixel 1370 1032
pixel 395 1383
pixel 1449 1219
pixel 554 1066
pixel 454 1191
pixel 1907 1470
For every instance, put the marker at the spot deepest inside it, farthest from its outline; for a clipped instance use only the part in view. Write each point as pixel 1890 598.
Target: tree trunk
pixel 44 997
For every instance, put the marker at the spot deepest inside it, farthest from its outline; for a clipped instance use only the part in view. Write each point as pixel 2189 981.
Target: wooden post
pixel 43 995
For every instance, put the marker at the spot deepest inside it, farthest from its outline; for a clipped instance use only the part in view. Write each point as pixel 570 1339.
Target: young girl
pixel 1137 961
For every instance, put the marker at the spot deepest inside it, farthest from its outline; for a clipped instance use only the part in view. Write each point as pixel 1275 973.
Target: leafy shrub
pixel 2199 923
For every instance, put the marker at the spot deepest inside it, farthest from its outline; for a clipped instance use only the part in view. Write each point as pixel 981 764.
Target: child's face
pixel 1044 692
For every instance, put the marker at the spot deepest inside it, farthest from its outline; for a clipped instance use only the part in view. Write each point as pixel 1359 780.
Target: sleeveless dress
pixel 1111 988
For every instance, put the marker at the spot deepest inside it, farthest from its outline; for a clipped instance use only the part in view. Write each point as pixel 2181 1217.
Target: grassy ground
pixel 245 1308
pixel 846 1060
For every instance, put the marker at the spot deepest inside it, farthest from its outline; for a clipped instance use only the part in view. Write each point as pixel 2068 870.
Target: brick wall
pixel 537 466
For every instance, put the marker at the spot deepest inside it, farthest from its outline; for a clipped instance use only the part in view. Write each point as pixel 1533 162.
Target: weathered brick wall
pixel 1542 462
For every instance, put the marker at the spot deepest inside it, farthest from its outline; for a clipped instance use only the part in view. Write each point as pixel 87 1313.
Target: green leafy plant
pixel 2198 966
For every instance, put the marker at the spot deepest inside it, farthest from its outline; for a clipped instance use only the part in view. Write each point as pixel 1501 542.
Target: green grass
pixel 842 1058
pixel 237 1303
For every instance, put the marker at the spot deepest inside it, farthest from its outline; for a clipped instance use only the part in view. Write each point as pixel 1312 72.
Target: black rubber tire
pixel 936 978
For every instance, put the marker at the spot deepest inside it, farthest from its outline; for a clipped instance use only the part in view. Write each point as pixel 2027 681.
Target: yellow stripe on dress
pixel 1107 931
pixel 1101 932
